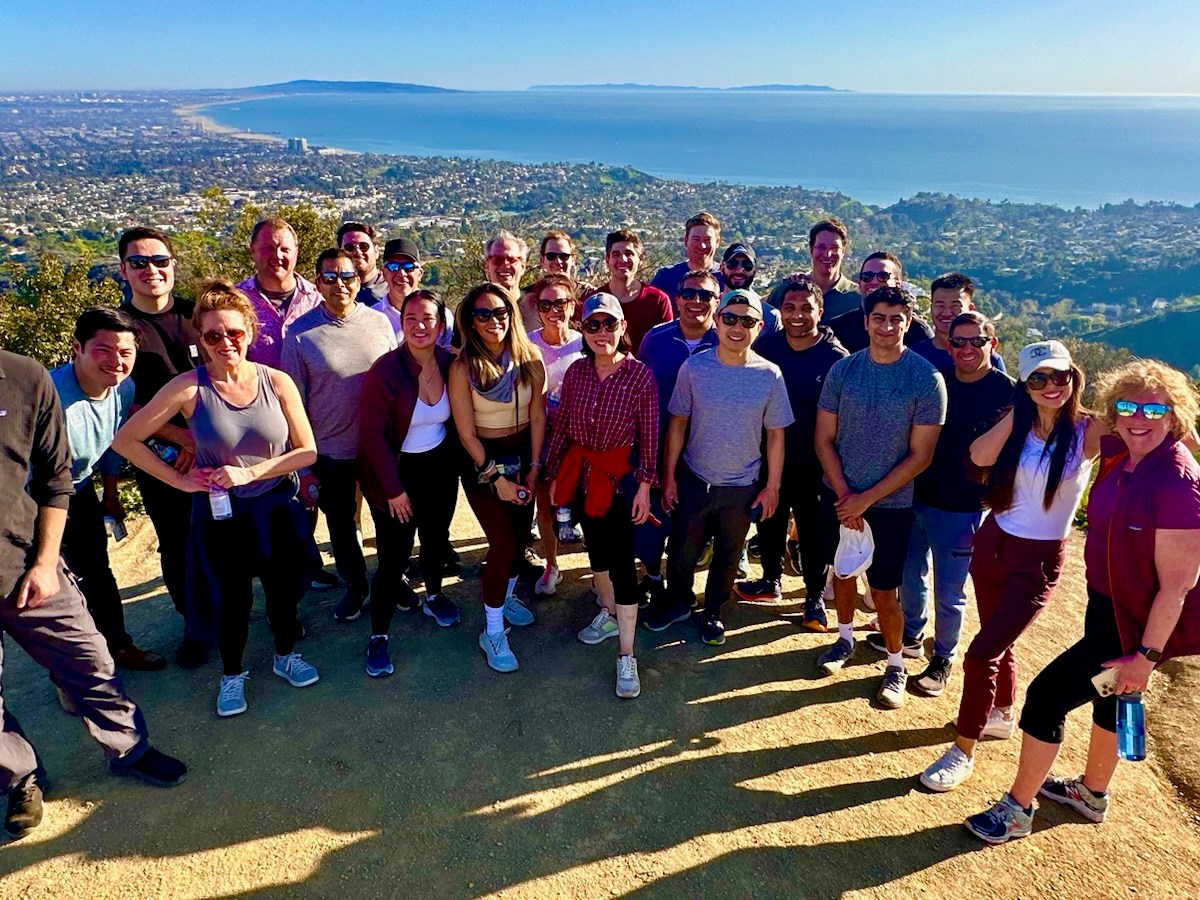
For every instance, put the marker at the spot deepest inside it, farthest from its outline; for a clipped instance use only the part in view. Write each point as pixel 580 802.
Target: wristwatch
pixel 1152 655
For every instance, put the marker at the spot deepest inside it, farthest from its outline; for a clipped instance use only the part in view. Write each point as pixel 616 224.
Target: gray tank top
pixel 228 435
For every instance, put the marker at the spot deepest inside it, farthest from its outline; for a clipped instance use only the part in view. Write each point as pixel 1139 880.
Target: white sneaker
pixel 950 770
pixel 628 684
pixel 999 726
pixel 603 627
pixel 549 582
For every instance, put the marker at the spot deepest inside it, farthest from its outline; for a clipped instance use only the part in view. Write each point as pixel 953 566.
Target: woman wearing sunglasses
pixel 560 346
pixel 609 406
pixel 251 437
pixel 496 395
pixel 1040 455
pixel 556 256
pixel 1143 560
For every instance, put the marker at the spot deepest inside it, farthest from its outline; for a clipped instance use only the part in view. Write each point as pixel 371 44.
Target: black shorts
pixel 890 529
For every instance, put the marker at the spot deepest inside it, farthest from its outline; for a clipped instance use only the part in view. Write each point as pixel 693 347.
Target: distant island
pixel 628 86
pixel 307 86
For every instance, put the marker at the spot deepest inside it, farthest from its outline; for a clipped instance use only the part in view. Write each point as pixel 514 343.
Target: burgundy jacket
pixel 1129 546
pixel 389 396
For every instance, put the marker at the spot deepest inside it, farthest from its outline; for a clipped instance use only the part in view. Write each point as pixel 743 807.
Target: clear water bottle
pixel 218 501
pixel 1131 727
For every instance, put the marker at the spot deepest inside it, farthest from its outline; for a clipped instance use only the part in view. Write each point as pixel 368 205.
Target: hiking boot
pixel 762 589
pixel 950 770
pixel 743 567
pixel 549 581
pixel 831 661
pixel 379 661
pixel 25 802
pixel 295 671
pixel 999 726
pixel 628 684
pixel 516 612
pixel 441 609
pixel 231 696
pixel 350 606
pixel 153 767
pixel 912 649
pixel 499 655
pixel 660 618
pixel 603 627
pixel 932 682
pixel 138 660
pixel 1003 822
pixel 891 689
pixel 1074 793
pixel 814 616
pixel 651 591
pixel 791 559
pixel 712 631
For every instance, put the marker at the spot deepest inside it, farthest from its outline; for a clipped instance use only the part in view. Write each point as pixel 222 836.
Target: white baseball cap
pixel 855 551
pixel 1043 355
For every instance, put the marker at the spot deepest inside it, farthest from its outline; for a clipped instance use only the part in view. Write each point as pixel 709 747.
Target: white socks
pixel 896 659
pixel 846 632
pixel 495 619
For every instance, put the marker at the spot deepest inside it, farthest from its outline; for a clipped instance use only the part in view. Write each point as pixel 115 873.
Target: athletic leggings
pixel 610 547
pixel 505 525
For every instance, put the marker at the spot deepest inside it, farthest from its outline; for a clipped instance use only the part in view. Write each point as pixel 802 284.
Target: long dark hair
pixel 1060 445
pixel 484 368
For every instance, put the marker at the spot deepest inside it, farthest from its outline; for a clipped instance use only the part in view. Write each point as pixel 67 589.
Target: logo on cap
pixel 1039 352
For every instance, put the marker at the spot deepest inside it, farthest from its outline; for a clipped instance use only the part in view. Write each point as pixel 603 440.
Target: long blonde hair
pixel 483 367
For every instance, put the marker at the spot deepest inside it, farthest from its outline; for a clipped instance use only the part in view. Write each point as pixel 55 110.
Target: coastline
pixel 193 114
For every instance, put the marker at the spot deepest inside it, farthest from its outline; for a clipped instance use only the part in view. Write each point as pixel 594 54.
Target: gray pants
pixel 61 637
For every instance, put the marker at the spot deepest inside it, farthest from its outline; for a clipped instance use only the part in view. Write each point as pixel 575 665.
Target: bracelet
pixel 536 464
pixel 481 472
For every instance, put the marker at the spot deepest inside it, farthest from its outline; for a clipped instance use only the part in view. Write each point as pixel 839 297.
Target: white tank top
pixel 1027 517
pixel 428 426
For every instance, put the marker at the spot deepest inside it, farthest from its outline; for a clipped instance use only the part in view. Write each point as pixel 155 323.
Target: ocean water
pixel 877 148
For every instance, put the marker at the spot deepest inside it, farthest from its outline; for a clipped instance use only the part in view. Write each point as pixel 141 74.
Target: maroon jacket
pixel 1128 545
pixel 389 396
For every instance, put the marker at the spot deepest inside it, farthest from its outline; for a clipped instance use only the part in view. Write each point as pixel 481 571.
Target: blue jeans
pixel 947 538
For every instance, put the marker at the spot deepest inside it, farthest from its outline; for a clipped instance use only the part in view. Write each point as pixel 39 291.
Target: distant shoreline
pixel 192 114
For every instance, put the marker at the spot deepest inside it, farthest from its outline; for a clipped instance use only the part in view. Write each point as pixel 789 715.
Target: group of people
pixel 657 420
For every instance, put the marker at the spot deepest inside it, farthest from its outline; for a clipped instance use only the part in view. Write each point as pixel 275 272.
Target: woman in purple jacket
pixel 1143 562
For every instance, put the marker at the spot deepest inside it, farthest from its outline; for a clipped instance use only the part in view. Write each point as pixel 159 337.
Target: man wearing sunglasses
pixel 950 295
pixel 168 345
pixel 880 269
pixel 738 269
pixel 878 421
pixel 948 501
pixel 402 270
pixel 701 238
pixel 504 262
pixel 828 244
pixel 712 468
pixel 279 295
pixel 358 239
pixel 327 352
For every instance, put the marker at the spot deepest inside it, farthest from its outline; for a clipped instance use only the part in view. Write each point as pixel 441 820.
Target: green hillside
pixel 1173 338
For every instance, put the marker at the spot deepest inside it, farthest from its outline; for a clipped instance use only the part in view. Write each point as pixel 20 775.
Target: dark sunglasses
pixel 740 263
pixel 1151 411
pixel 140 262
pixel 874 276
pixel 558 257
pixel 731 319
pixel 332 277
pixel 213 338
pixel 393 265
pixel 690 294
pixel 362 246
pixel 547 305
pixel 608 323
pixel 500 314
pixel 1038 380
pixel 977 342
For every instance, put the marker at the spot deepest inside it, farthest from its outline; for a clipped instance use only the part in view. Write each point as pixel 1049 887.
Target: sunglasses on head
pixel 1151 411
pixel 978 342
pixel 608 323
pixel 740 262
pixel 332 277
pixel 1038 380
pixel 361 246
pixel 213 338
pixel 141 262
pixel 731 319
pixel 874 276
pixel 558 257
pixel 500 314
pixel 394 265
pixel 547 305
pixel 691 294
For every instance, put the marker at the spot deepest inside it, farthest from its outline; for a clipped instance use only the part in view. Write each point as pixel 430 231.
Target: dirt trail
pixel 737 773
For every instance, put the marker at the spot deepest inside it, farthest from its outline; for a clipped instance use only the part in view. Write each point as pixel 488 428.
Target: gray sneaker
pixel 603 627
pixel 1074 793
pixel 832 660
pixel 628 685
pixel 891 689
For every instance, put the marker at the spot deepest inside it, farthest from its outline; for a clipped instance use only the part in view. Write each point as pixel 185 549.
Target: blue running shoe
pixel 1003 822
pixel 499 655
pixel 441 609
pixel 516 612
pixel 295 671
pixel 379 662
pixel 231 698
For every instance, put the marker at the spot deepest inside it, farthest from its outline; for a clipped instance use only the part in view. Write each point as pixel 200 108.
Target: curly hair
pixel 219 294
pixel 1143 376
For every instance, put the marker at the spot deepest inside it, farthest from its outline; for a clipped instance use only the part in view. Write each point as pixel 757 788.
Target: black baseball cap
pixel 734 249
pixel 401 247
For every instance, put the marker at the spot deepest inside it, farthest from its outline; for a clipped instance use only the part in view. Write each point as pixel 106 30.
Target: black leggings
pixel 1066 683
pixel 433 492
pixel 610 547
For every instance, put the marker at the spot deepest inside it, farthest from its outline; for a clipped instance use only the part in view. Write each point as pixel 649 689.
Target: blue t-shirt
pixel 668 278
pixel 92 423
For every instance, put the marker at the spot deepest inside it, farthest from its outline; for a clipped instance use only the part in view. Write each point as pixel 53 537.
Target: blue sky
pixel 1050 46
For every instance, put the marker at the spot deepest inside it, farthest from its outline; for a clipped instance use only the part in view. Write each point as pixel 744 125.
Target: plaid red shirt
pixel 620 411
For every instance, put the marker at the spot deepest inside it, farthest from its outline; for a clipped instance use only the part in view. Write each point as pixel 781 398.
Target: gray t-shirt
pixel 729 407
pixel 877 406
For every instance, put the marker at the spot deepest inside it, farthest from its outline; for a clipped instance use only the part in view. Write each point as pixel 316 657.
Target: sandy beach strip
pixel 193 114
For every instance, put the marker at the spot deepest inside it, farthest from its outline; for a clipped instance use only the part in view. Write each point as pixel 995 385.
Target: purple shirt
pixel 268 344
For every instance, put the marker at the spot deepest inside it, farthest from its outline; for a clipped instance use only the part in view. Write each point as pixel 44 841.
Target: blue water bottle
pixel 1131 727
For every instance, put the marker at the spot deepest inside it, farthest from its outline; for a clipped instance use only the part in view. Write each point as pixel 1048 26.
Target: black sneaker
pixel 350 606
pixel 153 767
pixel 660 618
pixel 762 589
pixel 791 559
pixel 24 808
pixel 936 676
pixel 651 591
pixel 712 631
pixel 914 649
pixel 191 654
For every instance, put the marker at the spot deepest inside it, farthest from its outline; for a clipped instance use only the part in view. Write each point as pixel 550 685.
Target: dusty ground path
pixel 737 773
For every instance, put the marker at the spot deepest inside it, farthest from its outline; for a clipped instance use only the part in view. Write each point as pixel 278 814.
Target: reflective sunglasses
pixel 547 305
pixel 978 342
pixel 608 323
pixel 739 262
pixel 500 314
pixel 1038 380
pixel 558 257
pixel 874 276
pixel 1151 411
pixel 361 246
pixel 140 262
pixel 213 338
pixel 332 277
pixel 393 265
pixel 731 319
pixel 690 295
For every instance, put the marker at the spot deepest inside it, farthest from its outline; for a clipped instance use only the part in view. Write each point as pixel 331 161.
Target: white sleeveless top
pixel 428 426
pixel 1027 517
